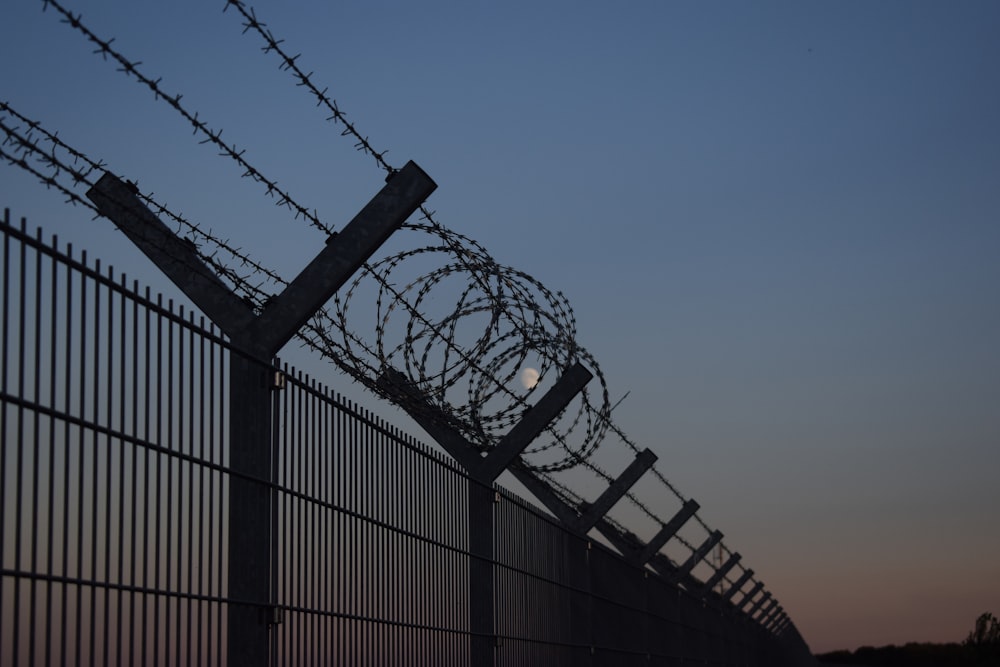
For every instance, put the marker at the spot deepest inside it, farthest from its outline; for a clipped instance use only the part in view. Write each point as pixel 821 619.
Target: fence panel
pixel 113 468
pixel 115 416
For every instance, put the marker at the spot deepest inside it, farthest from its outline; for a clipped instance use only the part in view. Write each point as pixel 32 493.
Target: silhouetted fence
pixel 116 515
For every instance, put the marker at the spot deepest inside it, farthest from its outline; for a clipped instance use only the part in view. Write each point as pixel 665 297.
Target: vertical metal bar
pixel 218 458
pixel 368 639
pixel 481 573
pixel 204 539
pixel 249 508
pixel 123 447
pixel 19 459
pixel 315 531
pixel 175 488
pixel 170 444
pixel 109 476
pixel 323 521
pixel 395 574
pixel 353 560
pixel 282 549
pixel 183 631
pixel 32 634
pixel 147 501
pixel 329 517
pixel 296 454
pixel 4 342
pixel 158 482
pixel 189 414
pixel 50 528
pixel 135 598
pixel 95 459
pixel 176 444
pixel 276 526
pixel 67 394
pixel 80 458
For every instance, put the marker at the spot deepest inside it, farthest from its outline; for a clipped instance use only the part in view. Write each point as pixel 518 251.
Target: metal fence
pixel 116 515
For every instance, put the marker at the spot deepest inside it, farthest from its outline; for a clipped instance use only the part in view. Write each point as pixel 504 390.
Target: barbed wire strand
pixel 362 144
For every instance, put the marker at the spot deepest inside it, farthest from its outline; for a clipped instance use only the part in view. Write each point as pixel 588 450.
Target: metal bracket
pixel 277 381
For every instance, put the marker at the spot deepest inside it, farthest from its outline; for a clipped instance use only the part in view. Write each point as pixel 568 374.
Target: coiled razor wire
pixel 465 359
pixel 472 380
pixel 501 319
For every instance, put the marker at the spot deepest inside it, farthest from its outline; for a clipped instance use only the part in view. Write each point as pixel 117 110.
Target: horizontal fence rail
pixel 116 478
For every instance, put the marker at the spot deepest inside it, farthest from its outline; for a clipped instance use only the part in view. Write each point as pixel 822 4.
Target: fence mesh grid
pixel 115 503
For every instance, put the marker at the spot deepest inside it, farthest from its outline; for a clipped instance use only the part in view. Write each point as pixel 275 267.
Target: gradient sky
pixel 778 225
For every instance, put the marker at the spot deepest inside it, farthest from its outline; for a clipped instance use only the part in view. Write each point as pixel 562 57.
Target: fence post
pixel 255 339
pixel 483 471
pixel 249 510
pixel 483 640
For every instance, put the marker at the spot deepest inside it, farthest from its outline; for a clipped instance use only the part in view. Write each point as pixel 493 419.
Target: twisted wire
pixel 52 161
pixel 131 69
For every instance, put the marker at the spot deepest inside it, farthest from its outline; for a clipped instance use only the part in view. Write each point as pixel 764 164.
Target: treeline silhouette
pixel 980 649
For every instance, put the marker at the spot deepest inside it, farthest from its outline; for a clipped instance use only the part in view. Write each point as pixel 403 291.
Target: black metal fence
pixel 115 522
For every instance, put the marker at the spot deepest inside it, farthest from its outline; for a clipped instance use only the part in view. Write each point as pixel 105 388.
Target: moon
pixel 529 378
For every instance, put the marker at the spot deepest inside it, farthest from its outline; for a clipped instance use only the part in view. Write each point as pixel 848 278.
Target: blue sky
pixel 778 225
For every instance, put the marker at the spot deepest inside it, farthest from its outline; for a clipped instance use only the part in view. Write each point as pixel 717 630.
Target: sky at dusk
pixel 778 224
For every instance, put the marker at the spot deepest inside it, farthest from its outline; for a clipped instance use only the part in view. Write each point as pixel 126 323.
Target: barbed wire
pixel 131 69
pixel 525 321
pixel 51 160
pixel 556 343
pixel 350 354
pixel 288 63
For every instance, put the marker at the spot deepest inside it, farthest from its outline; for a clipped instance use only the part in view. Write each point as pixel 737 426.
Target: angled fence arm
pixel 642 462
pixel 430 418
pixel 698 554
pixel 486 468
pixel 764 610
pixel 534 421
pixel 722 571
pixel 760 601
pixel 782 625
pixel 545 495
pixel 728 595
pixel 772 617
pixel 668 530
pixel 666 569
pixel 483 471
pixel 626 542
pixel 176 258
pixel 749 596
pixel 345 252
